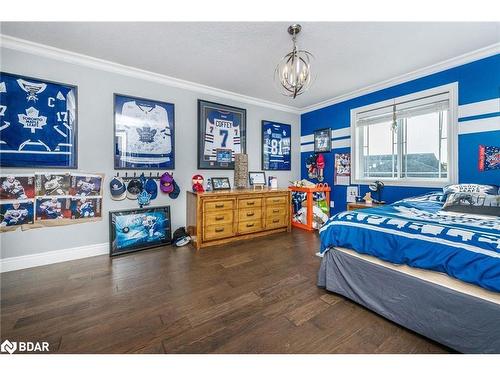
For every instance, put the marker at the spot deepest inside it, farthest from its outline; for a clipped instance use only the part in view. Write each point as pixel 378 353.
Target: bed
pixel 436 273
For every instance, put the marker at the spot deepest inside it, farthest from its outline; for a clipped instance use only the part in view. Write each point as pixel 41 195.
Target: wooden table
pixel 360 205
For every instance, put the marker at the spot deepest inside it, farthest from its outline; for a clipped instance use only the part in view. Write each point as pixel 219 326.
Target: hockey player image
pixel 51 209
pixel 52 184
pixel 150 224
pixel 13 188
pixel 85 187
pixel 14 216
pixel 85 208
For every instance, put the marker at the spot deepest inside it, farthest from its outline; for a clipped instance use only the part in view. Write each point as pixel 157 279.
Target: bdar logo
pixel 9 347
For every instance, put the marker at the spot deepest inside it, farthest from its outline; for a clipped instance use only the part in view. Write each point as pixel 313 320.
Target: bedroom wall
pixel 478 81
pixel 95 131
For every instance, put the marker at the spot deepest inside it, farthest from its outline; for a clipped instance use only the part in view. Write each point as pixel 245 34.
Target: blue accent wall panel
pixel 477 81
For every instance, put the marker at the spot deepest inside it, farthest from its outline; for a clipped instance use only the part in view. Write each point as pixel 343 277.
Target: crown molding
pixel 419 73
pixel 43 50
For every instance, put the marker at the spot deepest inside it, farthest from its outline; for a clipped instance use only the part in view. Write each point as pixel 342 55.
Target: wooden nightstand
pixel 360 205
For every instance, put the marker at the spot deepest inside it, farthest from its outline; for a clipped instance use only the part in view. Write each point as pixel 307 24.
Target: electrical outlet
pixel 332 204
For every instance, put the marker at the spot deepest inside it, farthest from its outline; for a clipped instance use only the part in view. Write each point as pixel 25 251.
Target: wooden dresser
pixel 218 217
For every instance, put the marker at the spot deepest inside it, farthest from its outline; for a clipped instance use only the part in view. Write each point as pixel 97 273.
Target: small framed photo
pixel 276 146
pixel 256 178
pixel 323 140
pixel 144 133
pixel 221 183
pixel 139 229
pixel 38 123
pixel 221 134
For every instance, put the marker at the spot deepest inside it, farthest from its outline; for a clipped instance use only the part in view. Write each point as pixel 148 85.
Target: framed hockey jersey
pixel 276 146
pixel 38 123
pixel 144 133
pixel 221 135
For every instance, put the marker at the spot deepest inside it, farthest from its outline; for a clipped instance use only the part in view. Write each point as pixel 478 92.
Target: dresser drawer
pixel 277 200
pixel 249 226
pixel 218 217
pixel 218 205
pixel 249 214
pixel 278 210
pixel 212 232
pixel 276 222
pixel 249 203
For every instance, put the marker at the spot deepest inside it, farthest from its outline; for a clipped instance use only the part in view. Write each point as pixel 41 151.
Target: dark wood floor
pixel 256 296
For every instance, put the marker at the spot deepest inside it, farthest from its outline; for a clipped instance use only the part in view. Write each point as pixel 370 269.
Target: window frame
pixel 452 134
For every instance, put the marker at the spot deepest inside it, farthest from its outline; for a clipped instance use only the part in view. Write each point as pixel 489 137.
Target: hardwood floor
pixel 256 296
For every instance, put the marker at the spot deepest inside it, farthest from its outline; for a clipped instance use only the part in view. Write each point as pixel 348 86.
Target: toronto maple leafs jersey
pixel 146 133
pixel 222 132
pixel 276 148
pixel 36 121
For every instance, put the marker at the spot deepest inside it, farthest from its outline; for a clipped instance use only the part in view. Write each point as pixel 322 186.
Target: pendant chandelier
pixel 292 75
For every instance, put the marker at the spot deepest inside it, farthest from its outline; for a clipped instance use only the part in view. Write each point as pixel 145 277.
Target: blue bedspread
pixel 415 232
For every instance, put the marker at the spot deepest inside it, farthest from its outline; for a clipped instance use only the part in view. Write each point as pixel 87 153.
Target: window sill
pixel 404 183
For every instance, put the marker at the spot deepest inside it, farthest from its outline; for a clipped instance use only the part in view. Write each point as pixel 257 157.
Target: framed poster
pixel 38 123
pixel 144 133
pixel 221 135
pixel 342 172
pixel 323 140
pixel 139 229
pixel 276 146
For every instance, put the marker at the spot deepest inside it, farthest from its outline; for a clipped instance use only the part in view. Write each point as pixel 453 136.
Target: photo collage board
pixel 49 199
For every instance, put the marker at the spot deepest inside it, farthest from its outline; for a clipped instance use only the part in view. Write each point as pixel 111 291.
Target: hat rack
pixel 126 177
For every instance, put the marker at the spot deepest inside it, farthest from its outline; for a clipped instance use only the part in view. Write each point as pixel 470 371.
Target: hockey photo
pixel 144 133
pixel 276 146
pixel 86 185
pixel 17 186
pixel 86 208
pixel 53 208
pixel 138 229
pixel 52 184
pixel 221 135
pixel 47 115
pixel 17 212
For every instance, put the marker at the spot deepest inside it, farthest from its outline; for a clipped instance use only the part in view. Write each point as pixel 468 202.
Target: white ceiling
pixel 241 57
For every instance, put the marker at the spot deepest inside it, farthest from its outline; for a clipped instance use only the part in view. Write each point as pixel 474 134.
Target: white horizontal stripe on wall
pixel 480 125
pixel 344 132
pixel 307 138
pixel 341 143
pixel 50 257
pixel 307 148
pixel 479 108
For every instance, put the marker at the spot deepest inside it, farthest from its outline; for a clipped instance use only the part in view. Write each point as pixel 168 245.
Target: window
pixel 409 140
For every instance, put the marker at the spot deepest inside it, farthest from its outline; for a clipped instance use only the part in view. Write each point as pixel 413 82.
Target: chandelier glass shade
pixel 292 75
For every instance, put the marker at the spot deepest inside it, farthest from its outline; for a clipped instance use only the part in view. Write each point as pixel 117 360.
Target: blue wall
pixel 477 81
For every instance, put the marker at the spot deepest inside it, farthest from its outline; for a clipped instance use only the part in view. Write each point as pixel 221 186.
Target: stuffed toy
pixel 198 183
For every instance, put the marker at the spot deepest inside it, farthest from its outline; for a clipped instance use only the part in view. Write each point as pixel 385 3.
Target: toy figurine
pixel 198 183
pixel 320 165
pixel 368 198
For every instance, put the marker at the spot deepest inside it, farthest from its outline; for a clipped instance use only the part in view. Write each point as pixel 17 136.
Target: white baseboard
pixel 50 257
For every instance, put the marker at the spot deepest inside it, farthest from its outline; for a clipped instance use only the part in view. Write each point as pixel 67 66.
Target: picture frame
pixel 221 131
pixel 48 111
pixel 276 146
pixel 139 229
pixel 144 133
pixel 220 183
pixel 257 178
pixel 323 140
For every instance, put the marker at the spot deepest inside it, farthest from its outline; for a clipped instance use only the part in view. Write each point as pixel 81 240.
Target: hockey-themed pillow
pixel 38 121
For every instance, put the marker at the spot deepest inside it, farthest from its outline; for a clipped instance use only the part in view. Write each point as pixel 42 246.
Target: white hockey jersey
pixel 146 134
pixel 222 132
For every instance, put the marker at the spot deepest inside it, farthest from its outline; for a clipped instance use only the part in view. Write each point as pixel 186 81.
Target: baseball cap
pixel 134 188
pixel 117 189
pixel 151 187
pixel 175 193
pixel 167 182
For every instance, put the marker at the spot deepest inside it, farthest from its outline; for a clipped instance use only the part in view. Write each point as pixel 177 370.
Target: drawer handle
pixel 274 211
pixel 250 225
pixel 219 205
pixel 219 218
pixel 276 200
pixel 218 230
pixel 250 213
pixel 276 220
pixel 250 203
